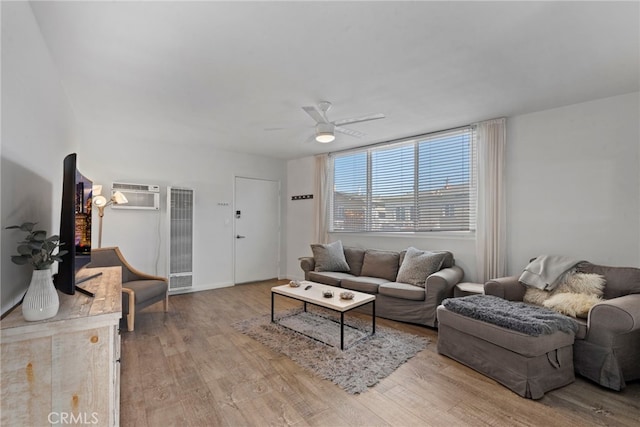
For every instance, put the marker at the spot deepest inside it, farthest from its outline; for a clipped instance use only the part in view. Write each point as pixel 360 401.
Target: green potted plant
pixel 41 300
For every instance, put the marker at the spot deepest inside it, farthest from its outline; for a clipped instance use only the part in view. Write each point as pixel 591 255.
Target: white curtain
pixel 322 195
pixel 491 206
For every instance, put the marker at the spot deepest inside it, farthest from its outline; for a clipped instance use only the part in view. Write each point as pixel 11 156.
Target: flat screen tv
pixel 75 227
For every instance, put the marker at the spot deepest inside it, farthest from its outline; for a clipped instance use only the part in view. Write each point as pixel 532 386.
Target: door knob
pixel 240 237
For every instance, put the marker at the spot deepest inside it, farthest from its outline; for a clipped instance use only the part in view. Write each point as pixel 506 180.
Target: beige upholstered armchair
pixel 607 346
pixel 139 290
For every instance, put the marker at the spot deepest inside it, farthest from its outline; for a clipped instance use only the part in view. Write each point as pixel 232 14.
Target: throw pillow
pixel 572 304
pixel 417 265
pixel 329 257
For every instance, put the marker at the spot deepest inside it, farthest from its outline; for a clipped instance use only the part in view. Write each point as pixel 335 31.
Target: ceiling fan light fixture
pixel 324 133
pixel 326 129
pixel 325 137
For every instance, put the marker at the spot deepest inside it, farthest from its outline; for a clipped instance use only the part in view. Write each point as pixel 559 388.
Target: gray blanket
pixel 545 271
pixel 518 316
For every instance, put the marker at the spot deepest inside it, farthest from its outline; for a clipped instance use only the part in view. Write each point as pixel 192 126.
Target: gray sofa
pixel 375 271
pixel 607 345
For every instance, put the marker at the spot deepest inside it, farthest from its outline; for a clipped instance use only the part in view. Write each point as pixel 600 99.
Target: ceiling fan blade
pixel 359 119
pixel 287 127
pixel 349 132
pixel 315 114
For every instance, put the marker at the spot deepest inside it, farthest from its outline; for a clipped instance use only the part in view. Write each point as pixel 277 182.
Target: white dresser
pixel 65 370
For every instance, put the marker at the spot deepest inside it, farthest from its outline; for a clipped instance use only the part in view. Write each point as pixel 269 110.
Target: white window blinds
pixel 423 184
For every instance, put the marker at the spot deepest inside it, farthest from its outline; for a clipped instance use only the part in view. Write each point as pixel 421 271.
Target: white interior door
pixel 257 226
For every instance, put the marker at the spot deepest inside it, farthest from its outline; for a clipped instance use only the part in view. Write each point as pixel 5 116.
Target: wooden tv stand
pixel 65 370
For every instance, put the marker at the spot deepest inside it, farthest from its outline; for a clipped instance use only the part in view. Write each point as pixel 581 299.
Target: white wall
pixel 300 220
pixel 572 183
pixel 37 133
pixel 572 189
pixel 142 235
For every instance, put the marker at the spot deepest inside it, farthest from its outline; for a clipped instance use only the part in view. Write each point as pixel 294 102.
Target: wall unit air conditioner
pixel 139 196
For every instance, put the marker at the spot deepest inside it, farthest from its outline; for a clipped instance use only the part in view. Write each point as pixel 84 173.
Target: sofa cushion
pixel 145 290
pixel 330 257
pixel 331 278
pixel 382 264
pixel 355 258
pixel 621 281
pixel 363 284
pixel 448 261
pixel 417 265
pixel 402 290
pixel 582 328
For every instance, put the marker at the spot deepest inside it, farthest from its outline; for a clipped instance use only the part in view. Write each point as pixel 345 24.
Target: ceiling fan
pixel 325 130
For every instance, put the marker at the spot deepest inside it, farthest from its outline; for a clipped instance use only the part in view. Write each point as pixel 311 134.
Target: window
pixel 424 184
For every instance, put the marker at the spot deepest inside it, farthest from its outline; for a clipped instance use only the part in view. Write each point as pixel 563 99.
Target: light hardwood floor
pixel 190 367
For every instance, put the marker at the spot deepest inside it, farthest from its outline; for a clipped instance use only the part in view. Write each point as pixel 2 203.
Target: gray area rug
pixel 365 361
pixel 323 329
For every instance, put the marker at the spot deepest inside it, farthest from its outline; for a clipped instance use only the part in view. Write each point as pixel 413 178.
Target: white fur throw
pixel 572 304
pixel 574 296
pixel 583 283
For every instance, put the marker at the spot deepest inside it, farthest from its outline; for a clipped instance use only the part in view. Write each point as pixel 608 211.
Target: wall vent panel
pixel 180 205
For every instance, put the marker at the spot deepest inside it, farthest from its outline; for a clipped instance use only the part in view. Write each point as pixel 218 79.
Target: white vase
pixel 41 300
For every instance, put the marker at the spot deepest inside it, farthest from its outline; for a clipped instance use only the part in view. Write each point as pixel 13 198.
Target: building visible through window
pixel 423 184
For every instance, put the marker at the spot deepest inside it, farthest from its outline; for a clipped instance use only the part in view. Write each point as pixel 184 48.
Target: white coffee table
pixel 311 292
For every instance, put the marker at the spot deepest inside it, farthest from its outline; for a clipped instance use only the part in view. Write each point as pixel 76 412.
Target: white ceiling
pixel 219 73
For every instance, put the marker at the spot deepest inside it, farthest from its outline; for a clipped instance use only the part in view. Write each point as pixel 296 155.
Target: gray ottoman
pixel 528 365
